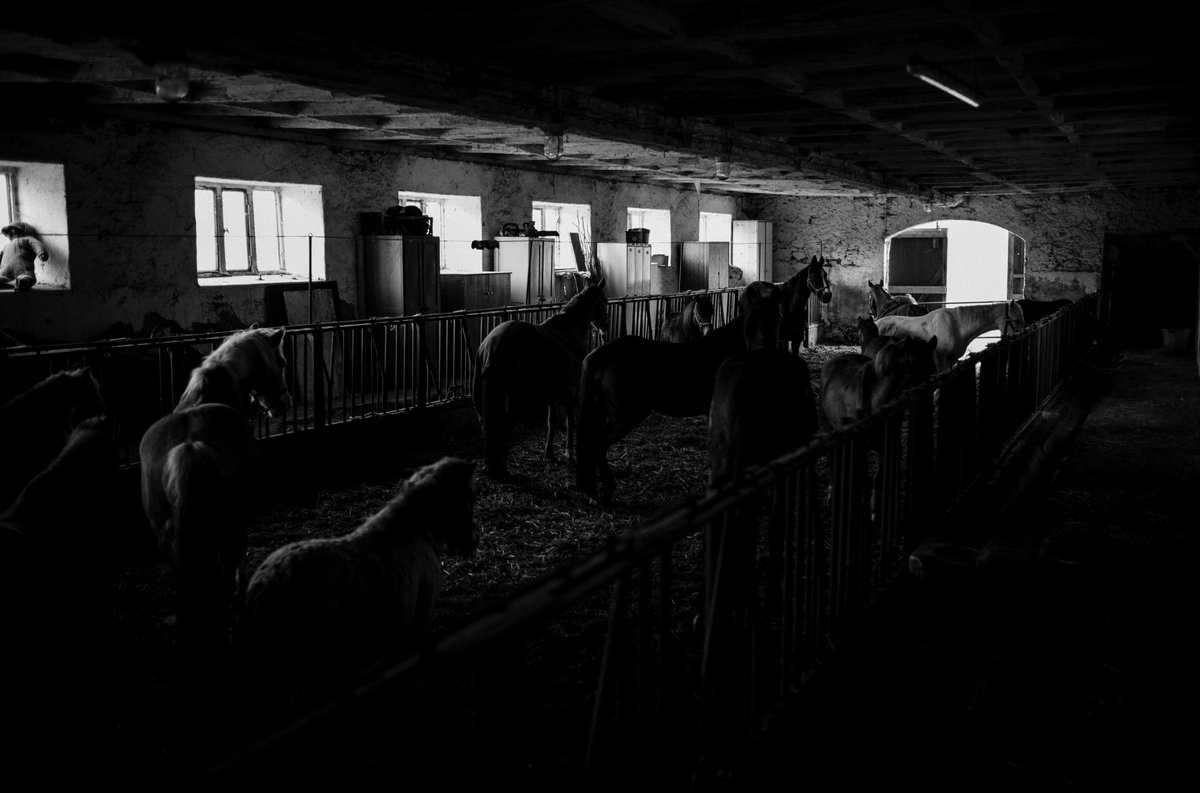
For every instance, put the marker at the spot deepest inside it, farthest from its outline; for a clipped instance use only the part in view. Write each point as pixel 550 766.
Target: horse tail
pixel 197 481
pixel 494 416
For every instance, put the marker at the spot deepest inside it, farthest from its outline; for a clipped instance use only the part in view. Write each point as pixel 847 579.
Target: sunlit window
pixel 238 229
pixel 8 198
pixel 456 221
pixel 565 219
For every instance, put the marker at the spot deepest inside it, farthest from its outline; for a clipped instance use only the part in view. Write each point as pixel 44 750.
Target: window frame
pixel 248 189
pixel 564 212
pixel 9 190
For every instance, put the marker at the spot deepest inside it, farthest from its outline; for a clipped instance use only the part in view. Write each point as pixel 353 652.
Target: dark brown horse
pixel 742 433
pixel 812 280
pixel 855 385
pixel 530 373
pixel 37 423
pixel 202 477
pixel 627 379
pixel 882 303
pixel 694 320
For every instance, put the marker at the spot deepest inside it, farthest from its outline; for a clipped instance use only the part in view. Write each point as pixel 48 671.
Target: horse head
pixel 270 392
pixel 1014 319
pixel 702 313
pixel 867 330
pixel 818 280
pixel 762 304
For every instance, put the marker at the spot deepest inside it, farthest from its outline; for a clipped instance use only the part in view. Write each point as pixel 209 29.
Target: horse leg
pixel 497 429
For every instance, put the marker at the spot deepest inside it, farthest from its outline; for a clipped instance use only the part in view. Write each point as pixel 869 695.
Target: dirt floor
pixel 117 695
pixel 1063 656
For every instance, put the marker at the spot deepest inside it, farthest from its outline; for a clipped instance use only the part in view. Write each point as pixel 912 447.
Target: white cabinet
pixel 531 262
pixel 626 268
pixel 752 249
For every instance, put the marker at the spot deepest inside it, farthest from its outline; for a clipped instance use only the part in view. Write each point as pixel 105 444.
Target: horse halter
pixel 819 287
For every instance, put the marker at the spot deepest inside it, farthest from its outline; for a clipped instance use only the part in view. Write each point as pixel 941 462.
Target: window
pixel 238 229
pixel 716 227
pixel 658 221
pixel 256 229
pixel 566 219
pixel 8 196
pixel 35 193
pixel 457 220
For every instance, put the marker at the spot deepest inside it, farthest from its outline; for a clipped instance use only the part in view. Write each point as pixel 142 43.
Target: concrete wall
pixel 131 222
pixel 1064 236
pixel 131 219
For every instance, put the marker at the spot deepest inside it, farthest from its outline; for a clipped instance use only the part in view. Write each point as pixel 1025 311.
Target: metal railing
pixel 339 372
pixel 687 632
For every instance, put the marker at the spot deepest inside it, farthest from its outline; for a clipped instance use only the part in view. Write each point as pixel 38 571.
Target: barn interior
pixel 1078 136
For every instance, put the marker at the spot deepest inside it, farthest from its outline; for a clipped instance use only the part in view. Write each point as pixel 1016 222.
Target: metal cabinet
pixel 471 291
pixel 703 265
pixel 753 251
pixel 626 268
pixel 530 260
pixel 400 275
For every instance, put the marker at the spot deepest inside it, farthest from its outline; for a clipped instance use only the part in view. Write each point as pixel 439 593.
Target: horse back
pixel 845 390
pixel 742 432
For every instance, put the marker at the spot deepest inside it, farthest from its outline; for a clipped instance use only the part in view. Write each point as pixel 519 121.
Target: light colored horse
pixel 956 327
pixel 202 476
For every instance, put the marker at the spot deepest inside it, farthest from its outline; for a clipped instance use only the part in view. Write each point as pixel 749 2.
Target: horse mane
pixel 230 365
pixel 426 492
pixel 36 393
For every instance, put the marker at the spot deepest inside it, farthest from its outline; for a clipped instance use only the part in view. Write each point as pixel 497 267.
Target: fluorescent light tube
pixel 939 79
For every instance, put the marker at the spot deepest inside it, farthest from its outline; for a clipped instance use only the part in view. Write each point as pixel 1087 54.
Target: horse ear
pixel 813 262
pixel 254 326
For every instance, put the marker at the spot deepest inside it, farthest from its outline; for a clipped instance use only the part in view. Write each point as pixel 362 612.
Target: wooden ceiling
pixel 800 98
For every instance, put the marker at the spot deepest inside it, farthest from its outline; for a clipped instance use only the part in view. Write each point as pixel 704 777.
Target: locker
pixel 531 262
pixel 753 250
pixel 703 265
pixel 400 275
pixel 627 268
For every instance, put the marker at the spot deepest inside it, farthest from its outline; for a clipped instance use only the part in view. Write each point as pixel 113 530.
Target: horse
pixel 1037 310
pixel 955 327
pixel 38 421
pixel 869 339
pixel 811 280
pixel 323 610
pixel 741 434
pixel 882 303
pixel 54 538
pixel 854 385
pixel 526 372
pixel 626 379
pixel 201 476
pixel 694 320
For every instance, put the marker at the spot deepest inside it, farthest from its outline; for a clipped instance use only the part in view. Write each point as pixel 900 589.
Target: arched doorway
pixel 954 263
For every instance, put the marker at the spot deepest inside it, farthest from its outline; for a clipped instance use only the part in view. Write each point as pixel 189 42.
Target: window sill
pixel 253 280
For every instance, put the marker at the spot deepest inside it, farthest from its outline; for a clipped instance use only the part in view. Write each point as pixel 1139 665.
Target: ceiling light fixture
pixel 722 171
pixel 171 80
pixel 554 146
pixel 939 79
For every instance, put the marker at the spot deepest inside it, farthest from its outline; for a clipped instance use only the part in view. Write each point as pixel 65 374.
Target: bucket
pixel 637 236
